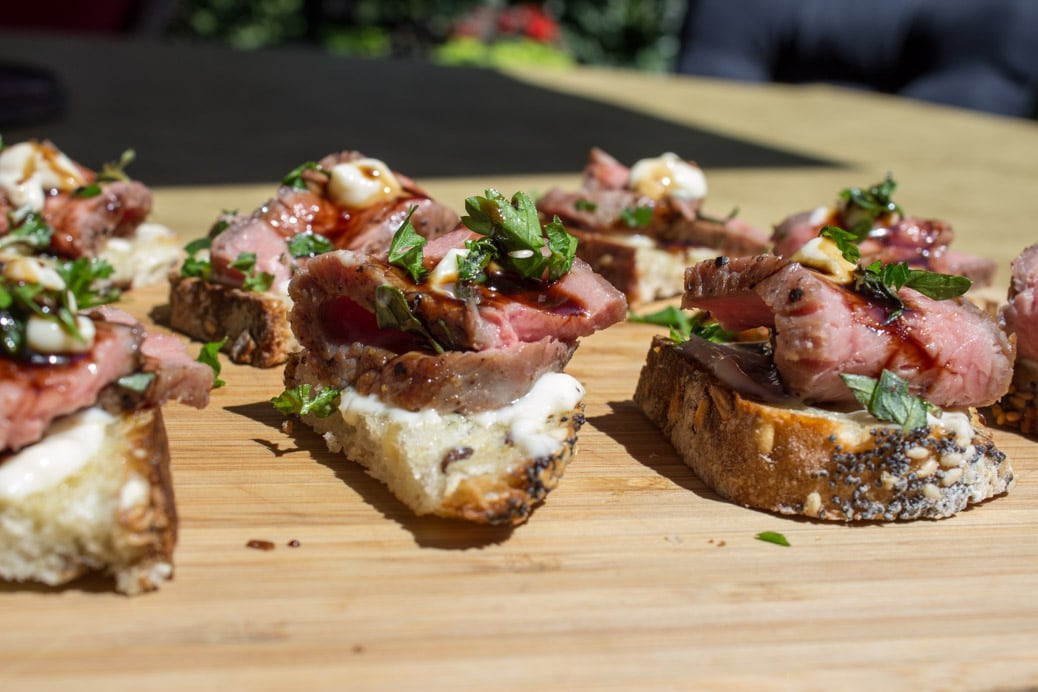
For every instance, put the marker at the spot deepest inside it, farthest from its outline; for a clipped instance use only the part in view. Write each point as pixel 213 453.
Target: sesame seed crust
pixel 816 463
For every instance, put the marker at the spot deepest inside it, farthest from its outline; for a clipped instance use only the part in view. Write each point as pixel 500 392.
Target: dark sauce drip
pixel 504 287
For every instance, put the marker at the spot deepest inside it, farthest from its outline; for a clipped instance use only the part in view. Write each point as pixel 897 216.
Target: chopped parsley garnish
pixel 91 190
pixel 888 399
pixel 29 231
pixel 585 205
pixel 116 170
pixel 21 300
pixel 309 244
pixel 636 217
pixel 772 537
pixel 254 280
pixel 208 356
pixel 881 281
pixel 683 325
pixel 405 250
pixel 80 276
pixel 481 253
pixel 862 207
pixel 193 266
pixel 516 231
pixel 304 399
pixel 392 311
pixel 294 179
pixel 137 382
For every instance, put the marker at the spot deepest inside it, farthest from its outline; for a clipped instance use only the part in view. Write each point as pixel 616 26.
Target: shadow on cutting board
pixel 428 531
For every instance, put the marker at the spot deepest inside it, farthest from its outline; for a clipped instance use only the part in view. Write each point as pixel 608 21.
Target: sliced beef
pixel 922 243
pixel 1021 311
pixel 451 382
pixel 251 235
pixel 31 396
pixel 293 211
pixel 950 352
pixel 674 221
pixel 498 314
pixel 83 224
pixel 178 376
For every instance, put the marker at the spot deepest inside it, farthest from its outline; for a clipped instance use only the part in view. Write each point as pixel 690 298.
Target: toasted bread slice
pixel 255 324
pixel 112 513
pixel 813 462
pixel 489 468
pixel 639 266
pixel 1018 409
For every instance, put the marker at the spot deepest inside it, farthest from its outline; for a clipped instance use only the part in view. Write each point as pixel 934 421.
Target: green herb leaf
pixel 116 170
pixel 481 252
pixel 244 262
pixel 304 399
pixel 208 356
pixel 563 248
pixel 294 179
pixel 772 537
pixel 193 266
pixel 937 286
pixel 585 205
pixel 29 231
pixel 875 201
pixel 91 190
pixel 846 241
pixel 258 282
pixel 683 325
pixel 515 228
pixel 80 276
pixel 636 217
pixel 888 399
pixel 137 382
pixel 392 311
pixel 309 244
pixel 405 250
pixel 254 280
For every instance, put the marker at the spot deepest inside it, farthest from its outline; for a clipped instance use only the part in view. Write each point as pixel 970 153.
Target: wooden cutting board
pixel 631 575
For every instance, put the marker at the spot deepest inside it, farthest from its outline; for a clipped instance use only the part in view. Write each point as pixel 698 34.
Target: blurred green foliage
pixel 629 33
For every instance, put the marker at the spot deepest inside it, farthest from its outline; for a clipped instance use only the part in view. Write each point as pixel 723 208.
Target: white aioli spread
pixel 362 183
pixel 29 169
pixel 49 336
pixel 552 394
pixel 69 444
pixel 443 279
pixel 668 176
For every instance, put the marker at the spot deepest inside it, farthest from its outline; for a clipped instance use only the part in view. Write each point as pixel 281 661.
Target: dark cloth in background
pixel 978 54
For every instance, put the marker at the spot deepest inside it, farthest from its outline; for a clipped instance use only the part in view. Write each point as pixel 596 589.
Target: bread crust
pixel 1018 409
pixel 797 460
pixel 115 515
pixel 449 466
pixel 256 324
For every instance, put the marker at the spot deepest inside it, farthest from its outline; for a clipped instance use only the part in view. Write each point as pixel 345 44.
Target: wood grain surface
pixel 632 575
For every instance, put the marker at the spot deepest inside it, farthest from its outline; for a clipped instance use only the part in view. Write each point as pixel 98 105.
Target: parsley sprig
pixel 519 239
pixel 863 206
pixel 28 230
pixel 194 266
pixel 295 180
pixel 684 325
pixel 888 399
pixel 207 355
pixel 882 282
pixel 305 399
pixel 20 300
pixel 405 250
pixel 254 280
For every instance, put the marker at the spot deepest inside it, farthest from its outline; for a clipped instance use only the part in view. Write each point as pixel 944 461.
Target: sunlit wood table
pixel 632 575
